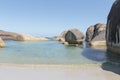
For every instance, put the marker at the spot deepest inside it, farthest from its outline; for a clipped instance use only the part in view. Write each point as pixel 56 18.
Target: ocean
pixel 49 52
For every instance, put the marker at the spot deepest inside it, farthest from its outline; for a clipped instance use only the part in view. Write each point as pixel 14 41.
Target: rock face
pixel 72 36
pixel 62 36
pixel 113 28
pixel 19 37
pixel 27 37
pixel 8 35
pixel 95 35
pixel 2 44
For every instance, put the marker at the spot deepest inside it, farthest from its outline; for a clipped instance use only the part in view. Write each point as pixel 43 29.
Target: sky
pixel 51 17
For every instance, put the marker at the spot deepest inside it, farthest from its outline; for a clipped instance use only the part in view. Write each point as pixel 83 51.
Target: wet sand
pixel 56 72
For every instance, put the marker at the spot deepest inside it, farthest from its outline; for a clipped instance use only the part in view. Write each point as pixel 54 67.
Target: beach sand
pixel 56 72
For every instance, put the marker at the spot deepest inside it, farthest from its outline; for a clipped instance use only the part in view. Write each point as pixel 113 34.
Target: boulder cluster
pixel 96 35
pixel 5 35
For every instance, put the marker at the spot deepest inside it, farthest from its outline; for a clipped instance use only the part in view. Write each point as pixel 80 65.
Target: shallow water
pixel 49 52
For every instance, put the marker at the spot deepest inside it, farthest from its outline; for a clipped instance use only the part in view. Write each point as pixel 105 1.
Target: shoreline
pixel 37 66
pixel 55 72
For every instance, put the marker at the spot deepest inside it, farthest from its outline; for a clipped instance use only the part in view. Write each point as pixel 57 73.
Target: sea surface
pixel 50 52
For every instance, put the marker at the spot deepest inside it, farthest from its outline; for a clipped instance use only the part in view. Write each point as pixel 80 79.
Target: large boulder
pixel 2 44
pixel 113 28
pixel 72 36
pixel 95 35
pixel 89 33
pixel 5 35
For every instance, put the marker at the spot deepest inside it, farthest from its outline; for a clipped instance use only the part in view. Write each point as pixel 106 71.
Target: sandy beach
pixel 56 72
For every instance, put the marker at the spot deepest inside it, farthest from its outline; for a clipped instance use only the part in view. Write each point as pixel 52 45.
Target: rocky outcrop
pixel 95 35
pixel 27 37
pixel 19 37
pixel 72 36
pixel 113 28
pixel 8 35
pixel 2 44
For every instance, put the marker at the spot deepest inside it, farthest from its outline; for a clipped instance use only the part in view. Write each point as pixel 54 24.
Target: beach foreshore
pixel 55 72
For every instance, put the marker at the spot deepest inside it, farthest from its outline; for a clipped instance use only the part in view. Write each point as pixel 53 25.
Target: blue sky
pixel 51 17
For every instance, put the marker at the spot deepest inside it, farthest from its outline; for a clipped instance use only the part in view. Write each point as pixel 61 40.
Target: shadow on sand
pixel 113 63
pixel 110 61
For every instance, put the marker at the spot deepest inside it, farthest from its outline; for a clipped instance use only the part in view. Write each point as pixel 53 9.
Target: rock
pixel 19 37
pixel 96 34
pixel 27 37
pixel 2 44
pixel 99 37
pixel 72 36
pixel 89 33
pixel 98 43
pixel 113 28
pixel 8 35
pixel 62 36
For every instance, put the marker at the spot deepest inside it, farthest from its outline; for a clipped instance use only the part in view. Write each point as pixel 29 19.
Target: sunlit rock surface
pixel 5 35
pixel 72 36
pixel 95 35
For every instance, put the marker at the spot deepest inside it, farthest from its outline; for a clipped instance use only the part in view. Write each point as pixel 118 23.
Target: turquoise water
pixel 49 52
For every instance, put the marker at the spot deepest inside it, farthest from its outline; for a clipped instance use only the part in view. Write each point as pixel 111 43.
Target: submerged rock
pixel 113 28
pixel 19 37
pixel 2 44
pixel 72 36
pixel 95 35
